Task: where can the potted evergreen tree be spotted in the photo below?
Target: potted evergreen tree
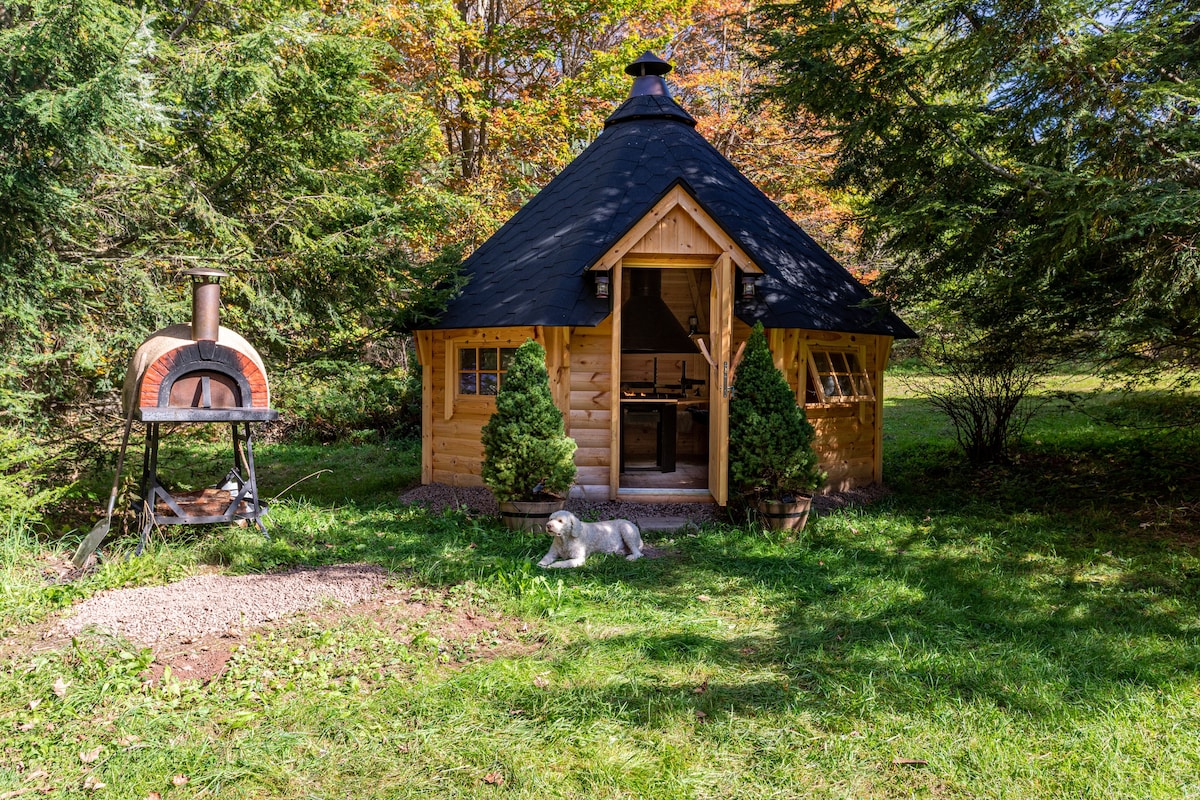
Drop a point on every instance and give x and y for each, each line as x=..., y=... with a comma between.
x=771, y=459
x=528, y=460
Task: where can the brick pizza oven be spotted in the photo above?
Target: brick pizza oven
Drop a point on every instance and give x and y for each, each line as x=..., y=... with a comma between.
x=193, y=373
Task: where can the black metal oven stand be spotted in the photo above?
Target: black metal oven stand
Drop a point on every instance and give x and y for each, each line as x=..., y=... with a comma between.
x=240, y=482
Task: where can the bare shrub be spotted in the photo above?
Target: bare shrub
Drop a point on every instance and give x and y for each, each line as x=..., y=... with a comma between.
x=986, y=390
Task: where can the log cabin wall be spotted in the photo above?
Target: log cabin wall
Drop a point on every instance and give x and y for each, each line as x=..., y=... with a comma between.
x=849, y=435
x=451, y=450
x=452, y=424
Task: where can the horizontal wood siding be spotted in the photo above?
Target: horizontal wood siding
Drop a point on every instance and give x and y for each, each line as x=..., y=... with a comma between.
x=845, y=444
x=848, y=440
x=591, y=407
x=848, y=437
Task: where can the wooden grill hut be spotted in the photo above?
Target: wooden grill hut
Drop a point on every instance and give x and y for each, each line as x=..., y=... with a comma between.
x=641, y=269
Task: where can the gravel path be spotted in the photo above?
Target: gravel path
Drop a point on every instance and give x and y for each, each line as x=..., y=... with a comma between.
x=222, y=604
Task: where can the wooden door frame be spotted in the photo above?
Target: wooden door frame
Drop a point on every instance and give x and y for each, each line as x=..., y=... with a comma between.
x=721, y=335
x=720, y=317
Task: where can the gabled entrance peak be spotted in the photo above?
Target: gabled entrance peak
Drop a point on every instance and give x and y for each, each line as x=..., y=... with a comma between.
x=675, y=228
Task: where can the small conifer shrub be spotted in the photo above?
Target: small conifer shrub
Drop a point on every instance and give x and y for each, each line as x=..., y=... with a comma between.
x=527, y=455
x=770, y=439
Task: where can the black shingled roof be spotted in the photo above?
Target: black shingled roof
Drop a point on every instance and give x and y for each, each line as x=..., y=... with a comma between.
x=533, y=271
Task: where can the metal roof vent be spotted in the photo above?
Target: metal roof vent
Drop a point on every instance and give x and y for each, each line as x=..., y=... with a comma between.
x=648, y=71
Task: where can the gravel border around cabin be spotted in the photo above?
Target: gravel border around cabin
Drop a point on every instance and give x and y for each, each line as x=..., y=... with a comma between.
x=438, y=497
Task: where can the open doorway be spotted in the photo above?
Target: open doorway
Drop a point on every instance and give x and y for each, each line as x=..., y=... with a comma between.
x=665, y=380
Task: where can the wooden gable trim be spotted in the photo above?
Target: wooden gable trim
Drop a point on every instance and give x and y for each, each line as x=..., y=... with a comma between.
x=677, y=198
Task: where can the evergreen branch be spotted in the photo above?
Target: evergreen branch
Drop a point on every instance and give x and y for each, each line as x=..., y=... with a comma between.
x=882, y=53
x=187, y=21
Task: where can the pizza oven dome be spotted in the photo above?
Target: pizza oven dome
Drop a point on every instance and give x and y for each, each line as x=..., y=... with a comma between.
x=170, y=371
x=197, y=371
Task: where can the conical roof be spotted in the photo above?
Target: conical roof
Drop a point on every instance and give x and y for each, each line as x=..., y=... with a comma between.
x=534, y=270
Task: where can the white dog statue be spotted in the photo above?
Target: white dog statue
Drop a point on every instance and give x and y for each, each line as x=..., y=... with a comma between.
x=575, y=539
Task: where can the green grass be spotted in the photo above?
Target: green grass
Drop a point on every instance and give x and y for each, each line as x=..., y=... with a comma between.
x=1030, y=631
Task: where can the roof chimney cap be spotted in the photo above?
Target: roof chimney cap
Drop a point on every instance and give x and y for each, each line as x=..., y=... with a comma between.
x=648, y=64
x=648, y=74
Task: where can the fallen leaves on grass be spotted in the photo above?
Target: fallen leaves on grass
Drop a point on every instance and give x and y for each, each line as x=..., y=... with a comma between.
x=88, y=756
x=494, y=779
x=179, y=780
x=60, y=687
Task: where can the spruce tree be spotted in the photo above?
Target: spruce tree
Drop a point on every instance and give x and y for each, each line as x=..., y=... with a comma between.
x=1030, y=166
x=526, y=453
x=770, y=439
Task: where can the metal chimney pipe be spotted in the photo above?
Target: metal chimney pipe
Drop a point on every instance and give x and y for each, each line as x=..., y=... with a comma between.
x=206, y=303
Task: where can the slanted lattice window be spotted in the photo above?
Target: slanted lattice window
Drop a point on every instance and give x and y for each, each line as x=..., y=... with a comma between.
x=481, y=369
x=837, y=376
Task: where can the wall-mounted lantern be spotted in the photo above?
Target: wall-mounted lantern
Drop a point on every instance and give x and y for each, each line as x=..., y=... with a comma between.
x=749, y=286
x=602, y=285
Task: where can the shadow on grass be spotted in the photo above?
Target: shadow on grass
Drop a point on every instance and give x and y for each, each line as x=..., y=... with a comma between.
x=1028, y=588
x=1120, y=455
x=879, y=606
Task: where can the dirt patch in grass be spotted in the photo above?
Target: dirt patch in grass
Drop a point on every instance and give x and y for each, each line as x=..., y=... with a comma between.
x=414, y=617
x=204, y=605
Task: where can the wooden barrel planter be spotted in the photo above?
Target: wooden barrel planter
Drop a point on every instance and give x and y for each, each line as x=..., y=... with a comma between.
x=781, y=516
x=529, y=515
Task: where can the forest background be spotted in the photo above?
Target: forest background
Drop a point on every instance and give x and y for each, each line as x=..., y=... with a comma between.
x=1023, y=172
x=337, y=159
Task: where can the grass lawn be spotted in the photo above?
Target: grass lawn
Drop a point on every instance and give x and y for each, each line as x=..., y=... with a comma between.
x=1029, y=631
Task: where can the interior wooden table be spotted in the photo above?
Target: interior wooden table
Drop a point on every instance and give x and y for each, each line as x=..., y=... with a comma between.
x=665, y=408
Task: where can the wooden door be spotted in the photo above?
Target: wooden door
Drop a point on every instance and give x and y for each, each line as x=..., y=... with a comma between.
x=721, y=327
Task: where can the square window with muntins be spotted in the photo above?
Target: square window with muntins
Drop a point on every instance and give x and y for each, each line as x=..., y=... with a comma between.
x=481, y=369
